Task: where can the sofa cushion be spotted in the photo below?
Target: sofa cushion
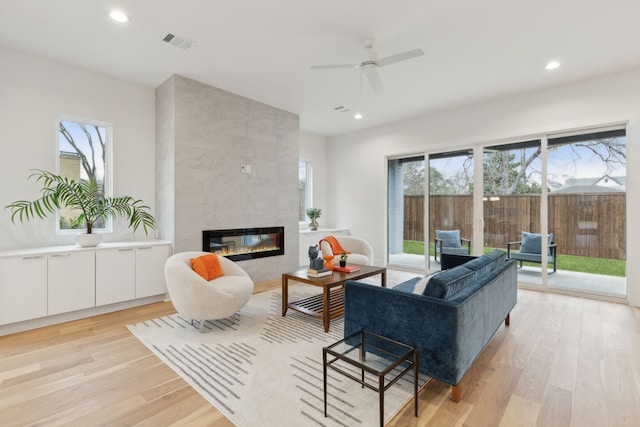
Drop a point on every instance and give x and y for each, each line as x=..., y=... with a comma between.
x=415, y=285
x=408, y=285
x=449, y=282
x=532, y=242
x=487, y=262
x=497, y=257
x=450, y=238
x=530, y=257
x=482, y=265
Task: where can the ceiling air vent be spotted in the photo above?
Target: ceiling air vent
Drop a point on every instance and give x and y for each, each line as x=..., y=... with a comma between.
x=178, y=41
x=341, y=108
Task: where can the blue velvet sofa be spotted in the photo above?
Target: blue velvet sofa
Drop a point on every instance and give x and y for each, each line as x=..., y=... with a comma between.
x=450, y=321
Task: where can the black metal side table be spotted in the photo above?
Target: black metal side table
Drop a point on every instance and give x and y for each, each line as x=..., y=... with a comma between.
x=376, y=355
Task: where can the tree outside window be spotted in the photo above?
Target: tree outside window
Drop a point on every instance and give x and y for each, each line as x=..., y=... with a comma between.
x=83, y=154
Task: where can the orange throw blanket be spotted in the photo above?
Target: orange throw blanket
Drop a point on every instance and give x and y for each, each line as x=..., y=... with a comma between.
x=335, y=245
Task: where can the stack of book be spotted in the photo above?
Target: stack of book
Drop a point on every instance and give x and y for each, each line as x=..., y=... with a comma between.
x=346, y=269
x=312, y=272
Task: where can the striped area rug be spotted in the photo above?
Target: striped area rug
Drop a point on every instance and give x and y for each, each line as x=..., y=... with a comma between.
x=262, y=369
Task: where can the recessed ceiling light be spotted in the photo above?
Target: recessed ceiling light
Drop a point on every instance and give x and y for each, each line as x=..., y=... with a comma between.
x=358, y=116
x=119, y=16
x=552, y=65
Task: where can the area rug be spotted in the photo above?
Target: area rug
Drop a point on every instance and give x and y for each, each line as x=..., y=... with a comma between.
x=262, y=369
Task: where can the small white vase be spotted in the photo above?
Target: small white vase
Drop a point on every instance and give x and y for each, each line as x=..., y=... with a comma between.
x=87, y=240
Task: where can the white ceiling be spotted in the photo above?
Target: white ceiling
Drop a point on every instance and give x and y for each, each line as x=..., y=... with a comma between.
x=474, y=50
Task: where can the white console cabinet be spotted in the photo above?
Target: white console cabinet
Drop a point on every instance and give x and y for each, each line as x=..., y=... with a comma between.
x=71, y=282
x=45, y=286
x=115, y=275
x=23, y=288
x=150, y=278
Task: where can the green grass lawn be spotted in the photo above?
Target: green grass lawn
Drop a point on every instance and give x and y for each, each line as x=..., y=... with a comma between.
x=609, y=267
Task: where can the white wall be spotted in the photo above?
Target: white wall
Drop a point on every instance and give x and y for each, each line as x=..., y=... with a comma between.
x=33, y=91
x=314, y=148
x=361, y=202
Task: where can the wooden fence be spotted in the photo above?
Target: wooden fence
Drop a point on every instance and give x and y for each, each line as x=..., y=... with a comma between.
x=591, y=224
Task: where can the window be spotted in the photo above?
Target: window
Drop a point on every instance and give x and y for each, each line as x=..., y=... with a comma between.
x=304, y=189
x=84, y=149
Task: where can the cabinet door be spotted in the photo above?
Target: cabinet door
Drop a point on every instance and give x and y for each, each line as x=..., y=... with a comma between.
x=23, y=288
x=150, y=270
x=72, y=282
x=115, y=275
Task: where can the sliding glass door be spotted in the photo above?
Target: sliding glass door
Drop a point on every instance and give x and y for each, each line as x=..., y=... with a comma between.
x=587, y=211
x=405, y=217
x=450, y=203
x=512, y=190
x=556, y=204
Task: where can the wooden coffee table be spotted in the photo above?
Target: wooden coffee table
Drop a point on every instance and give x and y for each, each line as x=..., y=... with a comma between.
x=329, y=304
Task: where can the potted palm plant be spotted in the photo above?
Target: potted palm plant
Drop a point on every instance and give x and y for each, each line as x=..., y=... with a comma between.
x=87, y=198
x=313, y=214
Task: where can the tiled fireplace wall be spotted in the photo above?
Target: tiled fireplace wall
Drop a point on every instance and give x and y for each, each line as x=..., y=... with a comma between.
x=203, y=136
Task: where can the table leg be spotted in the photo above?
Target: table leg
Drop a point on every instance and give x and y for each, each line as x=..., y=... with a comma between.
x=324, y=376
x=285, y=294
x=415, y=380
x=381, y=394
x=325, y=308
x=363, y=354
x=383, y=279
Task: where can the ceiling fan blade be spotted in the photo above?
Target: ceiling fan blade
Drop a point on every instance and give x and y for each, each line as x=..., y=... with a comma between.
x=374, y=80
x=399, y=57
x=333, y=67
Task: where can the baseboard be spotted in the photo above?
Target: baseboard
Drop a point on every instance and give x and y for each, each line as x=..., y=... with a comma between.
x=26, y=325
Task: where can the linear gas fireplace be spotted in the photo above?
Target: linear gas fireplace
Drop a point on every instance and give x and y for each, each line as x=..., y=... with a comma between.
x=244, y=243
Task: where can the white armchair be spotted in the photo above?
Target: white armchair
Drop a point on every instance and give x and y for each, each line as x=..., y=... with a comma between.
x=361, y=251
x=198, y=299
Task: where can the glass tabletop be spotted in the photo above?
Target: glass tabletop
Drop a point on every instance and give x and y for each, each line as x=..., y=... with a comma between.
x=370, y=351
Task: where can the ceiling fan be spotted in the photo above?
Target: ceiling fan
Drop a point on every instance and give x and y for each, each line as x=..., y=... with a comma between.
x=370, y=64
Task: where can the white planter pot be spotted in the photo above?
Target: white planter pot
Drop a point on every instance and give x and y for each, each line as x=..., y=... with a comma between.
x=88, y=240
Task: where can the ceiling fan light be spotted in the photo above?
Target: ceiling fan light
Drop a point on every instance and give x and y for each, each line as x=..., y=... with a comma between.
x=552, y=65
x=119, y=16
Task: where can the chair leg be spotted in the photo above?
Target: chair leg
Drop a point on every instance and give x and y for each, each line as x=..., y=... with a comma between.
x=507, y=319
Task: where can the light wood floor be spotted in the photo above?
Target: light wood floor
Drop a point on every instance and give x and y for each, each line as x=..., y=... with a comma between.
x=564, y=361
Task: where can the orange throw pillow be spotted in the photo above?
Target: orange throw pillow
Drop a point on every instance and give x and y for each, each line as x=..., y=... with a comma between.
x=208, y=266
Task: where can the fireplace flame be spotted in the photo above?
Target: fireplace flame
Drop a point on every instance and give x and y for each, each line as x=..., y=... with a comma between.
x=245, y=250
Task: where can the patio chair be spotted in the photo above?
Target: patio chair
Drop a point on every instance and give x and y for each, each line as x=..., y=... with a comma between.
x=450, y=242
x=530, y=249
